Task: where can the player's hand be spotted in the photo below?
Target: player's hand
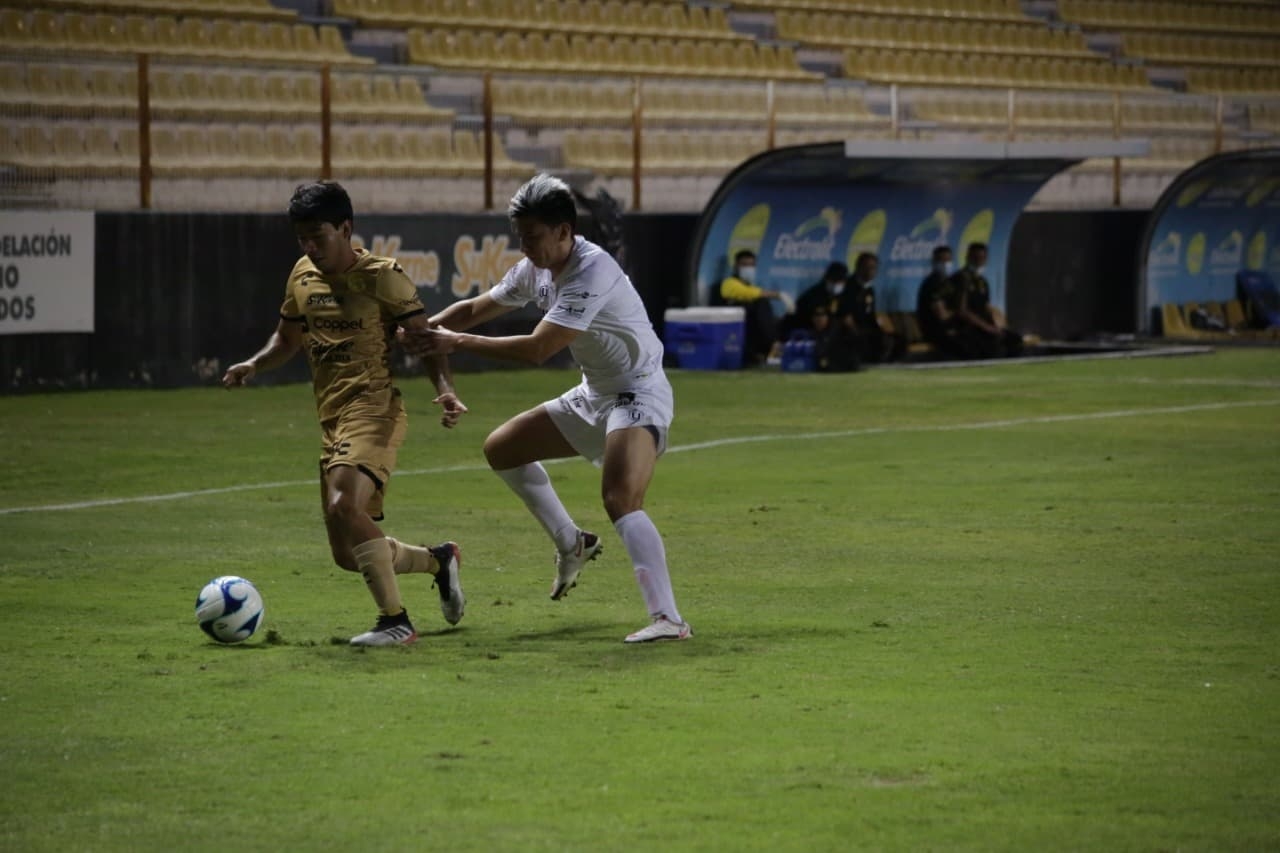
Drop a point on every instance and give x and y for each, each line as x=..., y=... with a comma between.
x=437, y=341
x=418, y=341
x=238, y=375
x=453, y=409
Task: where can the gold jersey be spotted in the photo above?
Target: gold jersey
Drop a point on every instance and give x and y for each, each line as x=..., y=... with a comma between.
x=348, y=321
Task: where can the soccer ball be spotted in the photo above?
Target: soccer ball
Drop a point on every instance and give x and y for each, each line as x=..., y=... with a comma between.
x=229, y=609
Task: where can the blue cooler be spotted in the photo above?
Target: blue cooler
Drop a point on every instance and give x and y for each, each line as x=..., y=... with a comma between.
x=706, y=338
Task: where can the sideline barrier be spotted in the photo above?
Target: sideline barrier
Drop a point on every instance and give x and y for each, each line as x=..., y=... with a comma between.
x=803, y=207
x=1217, y=219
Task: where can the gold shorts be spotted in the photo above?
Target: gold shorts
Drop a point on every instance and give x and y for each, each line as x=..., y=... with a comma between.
x=367, y=434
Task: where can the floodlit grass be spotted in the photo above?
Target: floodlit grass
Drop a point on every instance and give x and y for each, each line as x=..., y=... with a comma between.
x=999, y=608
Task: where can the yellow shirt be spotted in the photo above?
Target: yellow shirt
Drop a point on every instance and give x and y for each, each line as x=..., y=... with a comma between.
x=734, y=289
x=348, y=321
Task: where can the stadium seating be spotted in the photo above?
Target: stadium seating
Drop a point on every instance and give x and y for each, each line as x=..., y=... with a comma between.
x=235, y=91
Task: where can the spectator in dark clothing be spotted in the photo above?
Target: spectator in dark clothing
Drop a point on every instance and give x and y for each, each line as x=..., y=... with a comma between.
x=874, y=344
x=830, y=293
x=973, y=308
x=937, y=302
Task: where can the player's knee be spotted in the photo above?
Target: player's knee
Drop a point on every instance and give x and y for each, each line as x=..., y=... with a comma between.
x=344, y=559
x=496, y=451
x=621, y=501
x=340, y=510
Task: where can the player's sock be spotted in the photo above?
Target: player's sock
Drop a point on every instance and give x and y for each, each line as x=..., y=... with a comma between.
x=410, y=559
x=649, y=558
x=534, y=487
x=373, y=558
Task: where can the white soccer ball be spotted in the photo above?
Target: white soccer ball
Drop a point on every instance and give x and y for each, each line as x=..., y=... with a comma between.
x=229, y=609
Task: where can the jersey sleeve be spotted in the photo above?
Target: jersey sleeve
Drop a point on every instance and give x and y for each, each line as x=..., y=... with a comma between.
x=290, y=309
x=580, y=298
x=516, y=287
x=397, y=294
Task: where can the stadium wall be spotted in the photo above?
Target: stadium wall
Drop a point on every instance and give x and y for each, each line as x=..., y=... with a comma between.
x=177, y=297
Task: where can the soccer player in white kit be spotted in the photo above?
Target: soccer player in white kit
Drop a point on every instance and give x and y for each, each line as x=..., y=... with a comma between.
x=617, y=417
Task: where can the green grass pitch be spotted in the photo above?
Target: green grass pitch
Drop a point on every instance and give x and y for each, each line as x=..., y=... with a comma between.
x=1007, y=607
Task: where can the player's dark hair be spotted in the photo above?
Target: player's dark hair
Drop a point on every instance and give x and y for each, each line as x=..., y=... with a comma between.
x=742, y=255
x=938, y=250
x=547, y=199
x=865, y=256
x=976, y=247
x=322, y=201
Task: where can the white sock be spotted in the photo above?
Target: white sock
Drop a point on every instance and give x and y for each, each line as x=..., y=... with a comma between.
x=649, y=558
x=534, y=487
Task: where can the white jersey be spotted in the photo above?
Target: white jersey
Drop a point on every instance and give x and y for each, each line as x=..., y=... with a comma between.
x=618, y=349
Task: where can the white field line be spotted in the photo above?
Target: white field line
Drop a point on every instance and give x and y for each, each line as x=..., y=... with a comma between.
x=684, y=448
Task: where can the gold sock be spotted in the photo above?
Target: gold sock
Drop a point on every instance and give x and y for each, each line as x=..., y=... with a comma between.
x=373, y=558
x=408, y=559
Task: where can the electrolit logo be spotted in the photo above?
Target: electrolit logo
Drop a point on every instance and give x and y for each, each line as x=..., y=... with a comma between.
x=1168, y=251
x=1189, y=195
x=1195, y=253
x=1257, y=257
x=1228, y=253
x=926, y=235
x=867, y=236
x=1263, y=190
x=812, y=240
x=748, y=234
x=978, y=230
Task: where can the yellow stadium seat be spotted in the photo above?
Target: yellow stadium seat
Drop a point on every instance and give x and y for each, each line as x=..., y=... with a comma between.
x=15, y=30
x=100, y=149
x=68, y=148
x=432, y=151
x=1172, y=322
x=468, y=154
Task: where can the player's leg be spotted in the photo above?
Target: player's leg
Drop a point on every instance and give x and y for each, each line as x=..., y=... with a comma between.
x=629, y=459
x=365, y=443
x=357, y=541
x=513, y=451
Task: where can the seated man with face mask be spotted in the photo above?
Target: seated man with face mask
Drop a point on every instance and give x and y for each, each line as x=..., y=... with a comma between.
x=832, y=293
x=740, y=288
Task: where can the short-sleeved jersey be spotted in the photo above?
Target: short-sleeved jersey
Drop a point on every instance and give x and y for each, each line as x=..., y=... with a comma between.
x=348, y=321
x=618, y=349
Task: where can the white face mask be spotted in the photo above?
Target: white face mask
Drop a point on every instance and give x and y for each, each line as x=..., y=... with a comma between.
x=747, y=274
x=837, y=289
x=980, y=270
x=943, y=267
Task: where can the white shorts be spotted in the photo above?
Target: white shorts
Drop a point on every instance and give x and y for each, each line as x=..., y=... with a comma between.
x=584, y=418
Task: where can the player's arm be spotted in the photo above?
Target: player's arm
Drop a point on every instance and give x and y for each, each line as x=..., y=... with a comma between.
x=544, y=341
x=469, y=313
x=283, y=345
x=440, y=375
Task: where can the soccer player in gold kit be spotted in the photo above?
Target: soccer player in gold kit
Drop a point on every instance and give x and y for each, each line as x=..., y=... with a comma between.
x=343, y=305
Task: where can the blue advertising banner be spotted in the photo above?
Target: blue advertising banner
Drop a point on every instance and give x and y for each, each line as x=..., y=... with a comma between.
x=1218, y=219
x=797, y=231
x=800, y=209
